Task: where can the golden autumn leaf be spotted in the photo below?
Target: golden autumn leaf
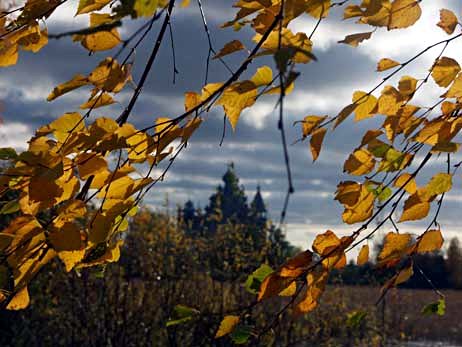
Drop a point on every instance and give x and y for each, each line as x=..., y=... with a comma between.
x=415, y=208
x=445, y=71
x=191, y=100
x=363, y=256
x=386, y=63
x=90, y=164
x=71, y=258
x=229, y=48
x=272, y=285
x=310, y=123
x=344, y=113
x=355, y=39
x=455, y=90
x=76, y=82
x=317, y=8
x=439, y=184
x=290, y=290
x=402, y=276
x=404, y=13
x=263, y=76
x=20, y=301
x=390, y=101
x=316, y=142
x=316, y=284
x=407, y=86
x=99, y=100
x=448, y=21
x=236, y=98
x=394, y=247
x=360, y=162
x=348, y=193
x=101, y=40
x=86, y=6
x=296, y=265
x=227, y=325
x=366, y=105
x=406, y=181
x=363, y=208
x=430, y=241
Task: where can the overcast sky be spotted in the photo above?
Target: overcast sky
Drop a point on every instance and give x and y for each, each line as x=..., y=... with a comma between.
x=323, y=88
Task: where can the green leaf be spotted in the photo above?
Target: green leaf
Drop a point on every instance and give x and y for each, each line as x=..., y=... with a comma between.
x=241, y=334
x=383, y=194
x=438, y=307
x=355, y=318
x=8, y=153
x=10, y=207
x=254, y=281
x=181, y=314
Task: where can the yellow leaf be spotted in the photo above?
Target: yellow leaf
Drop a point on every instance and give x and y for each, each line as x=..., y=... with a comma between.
x=33, y=39
x=190, y=128
x=71, y=258
x=355, y=39
x=348, y=193
x=141, y=145
x=366, y=105
x=290, y=290
x=20, y=300
x=352, y=11
x=430, y=241
x=90, y=164
x=66, y=238
x=227, y=325
x=230, y=47
x=237, y=97
x=310, y=123
x=455, y=91
x=404, y=13
x=363, y=256
x=344, y=113
x=415, y=208
x=185, y=3
x=263, y=76
x=119, y=188
x=86, y=6
x=65, y=125
x=296, y=265
x=439, y=184
x=316, y=284
x=76, y=82
x=394, y=247
x=448, y=21
x=407, y=181
x=360, y=162
x=110, y=76
x=272, y=285
x=363, y=208
x=317, y=8
x=445, y=71
x=191, y=100
x=101, y=40
x=385, y=64
x=407, y=86
x=99, y=100
x=8, y=53
x=316, y=142
x=390, y=101
x=324, y=243
x=402, y=276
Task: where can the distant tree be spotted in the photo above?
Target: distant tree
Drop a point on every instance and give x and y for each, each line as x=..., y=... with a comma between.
x=454, y=263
